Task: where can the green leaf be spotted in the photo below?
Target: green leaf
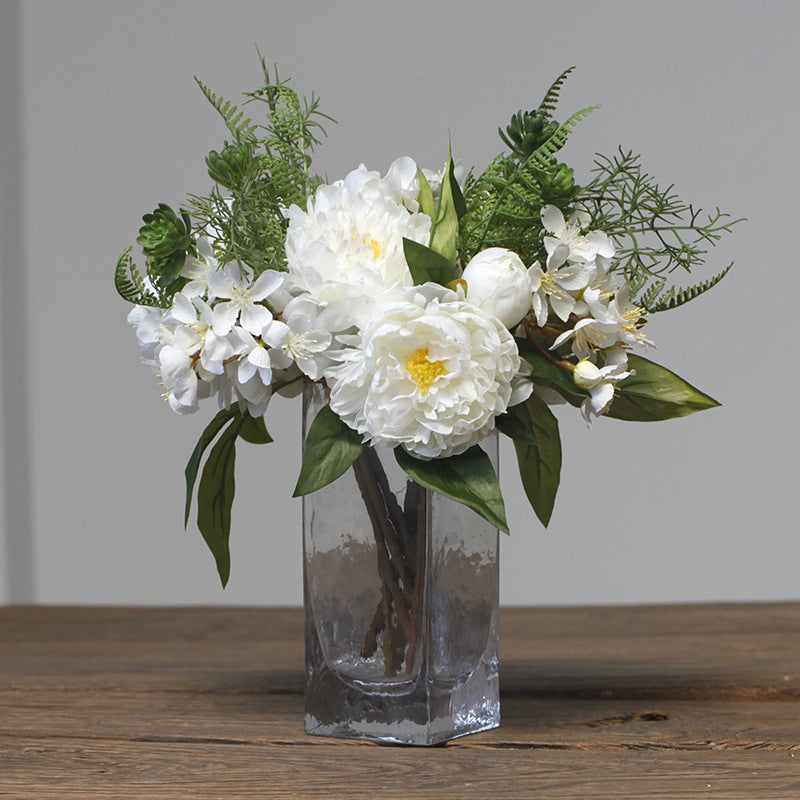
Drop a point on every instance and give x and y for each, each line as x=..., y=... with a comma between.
x=538, y=454
x=512, y=426
x=458, y=198
x=215, y=498
x=254, y=430
x=550, y=374
x=425, y=197
x=654, y=393
x=427, y=265
x=212, y=429
x=468, y=478
x=331, y=448
x=445, y=221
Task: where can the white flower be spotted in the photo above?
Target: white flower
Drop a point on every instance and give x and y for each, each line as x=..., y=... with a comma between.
x=147, y=321
x=198, y=270
x=307, y=341
x=401, y=182
x=628, y=316
x=430, y=372
x=564, y=281
x=541, y=309
x=589, y=335
x=498, y=283
x=260, y=355
x=600, y=382
x=197, y=335
x=346, y=248
x=244, y=299
x=582, y=247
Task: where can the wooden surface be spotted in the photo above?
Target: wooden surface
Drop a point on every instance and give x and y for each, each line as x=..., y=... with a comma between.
x=664, y=702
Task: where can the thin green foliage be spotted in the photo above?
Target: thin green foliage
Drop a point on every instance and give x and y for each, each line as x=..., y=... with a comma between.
x=655, y=232
x=504, y=203
x=263, y=171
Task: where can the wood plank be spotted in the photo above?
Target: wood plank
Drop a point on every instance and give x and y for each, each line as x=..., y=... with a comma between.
x=259, y=718
x=676, y=701
x=78, y=770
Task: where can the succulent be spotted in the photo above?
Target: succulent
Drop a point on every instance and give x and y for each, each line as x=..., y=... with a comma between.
x=527, y=131
x=165, y=239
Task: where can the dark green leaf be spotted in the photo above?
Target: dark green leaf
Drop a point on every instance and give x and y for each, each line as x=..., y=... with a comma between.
x=330, y=450
x=425, y=198
x=212, y=429
x=512, y=426
x=445, y=221
x=215, y=498
x=538, y=454
x=254, y=430
x=468, y=478
x=654, y=393
x=550, y=374
x=169, y=269
x=458, y=197
x=426, y=265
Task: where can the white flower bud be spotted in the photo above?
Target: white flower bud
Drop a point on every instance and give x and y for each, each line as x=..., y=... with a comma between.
x=498, y=283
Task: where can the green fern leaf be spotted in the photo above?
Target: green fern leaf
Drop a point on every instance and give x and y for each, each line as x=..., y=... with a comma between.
x=543, y=156
x=131, y=286
x=674, y=298
x=241, y=127
x=548, y=105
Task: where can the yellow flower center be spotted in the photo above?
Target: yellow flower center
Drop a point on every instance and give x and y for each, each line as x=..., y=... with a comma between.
x=376, y=247
x=423, y=371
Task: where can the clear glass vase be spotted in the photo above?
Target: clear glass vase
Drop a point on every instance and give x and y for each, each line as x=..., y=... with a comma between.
x=401, y=604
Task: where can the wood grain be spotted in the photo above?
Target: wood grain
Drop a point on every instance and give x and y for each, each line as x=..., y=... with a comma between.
x=676, y=701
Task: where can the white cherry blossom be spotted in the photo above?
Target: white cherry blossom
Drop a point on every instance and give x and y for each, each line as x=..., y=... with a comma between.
x=243, y=298
x=600, y=382
x=582, y=246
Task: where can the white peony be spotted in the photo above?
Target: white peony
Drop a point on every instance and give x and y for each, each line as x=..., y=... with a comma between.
x=429, y=372
x=498, y=283
x=346, y=248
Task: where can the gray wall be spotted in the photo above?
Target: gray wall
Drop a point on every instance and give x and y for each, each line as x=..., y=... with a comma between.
x=111, y=123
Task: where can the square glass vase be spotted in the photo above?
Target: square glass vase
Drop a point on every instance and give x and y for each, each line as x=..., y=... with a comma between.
x=401, y=598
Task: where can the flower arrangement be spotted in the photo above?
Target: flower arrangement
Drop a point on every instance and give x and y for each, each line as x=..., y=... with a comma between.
x=435, y=307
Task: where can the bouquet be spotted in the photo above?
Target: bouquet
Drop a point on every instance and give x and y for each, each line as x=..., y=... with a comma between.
x=434, y=306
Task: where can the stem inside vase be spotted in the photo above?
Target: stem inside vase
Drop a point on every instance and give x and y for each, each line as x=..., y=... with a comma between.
x=400, y=539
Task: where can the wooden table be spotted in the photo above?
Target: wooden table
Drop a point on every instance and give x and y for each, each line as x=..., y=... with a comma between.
x=672, y=701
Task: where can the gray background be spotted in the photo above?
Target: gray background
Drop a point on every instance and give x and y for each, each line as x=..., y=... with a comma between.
x=101, y=120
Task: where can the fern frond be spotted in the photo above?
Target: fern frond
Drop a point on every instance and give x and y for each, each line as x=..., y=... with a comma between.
x=132, y=287
x=674, y=298
x=241, y=127
x=543, y=156
x=509, y=215
x=648, y=298
x=548, y=105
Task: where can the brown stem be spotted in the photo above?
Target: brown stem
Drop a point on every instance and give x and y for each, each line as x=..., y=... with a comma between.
x=382, y=529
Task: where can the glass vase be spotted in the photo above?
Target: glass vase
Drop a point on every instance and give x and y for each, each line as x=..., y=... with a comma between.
x=401, y=606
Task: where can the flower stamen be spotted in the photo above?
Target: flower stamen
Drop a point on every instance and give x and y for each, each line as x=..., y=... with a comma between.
x=423, y=371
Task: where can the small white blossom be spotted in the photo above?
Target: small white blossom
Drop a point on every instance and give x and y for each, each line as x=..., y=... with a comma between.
x=541, y=309
x=199, y=269
x=582, y=246
x=564, y=281
x=600, y=382
x=243, y=298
